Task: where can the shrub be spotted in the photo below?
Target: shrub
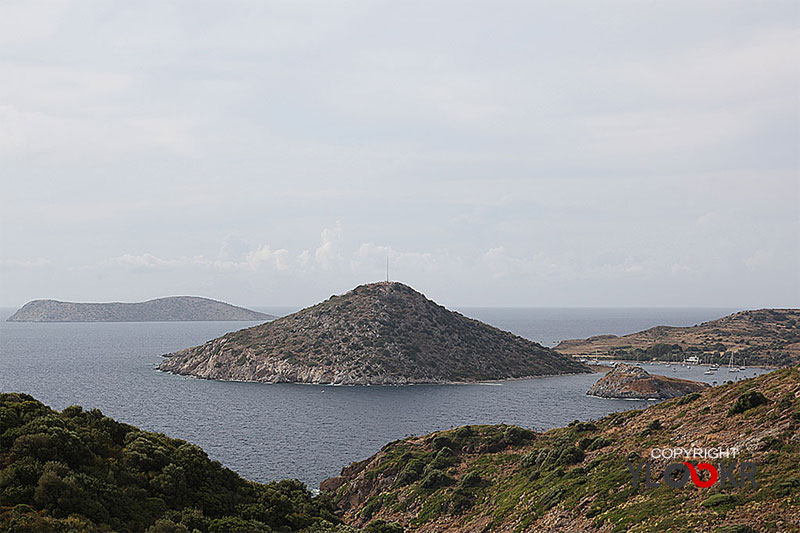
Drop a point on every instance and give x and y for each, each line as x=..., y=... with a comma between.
x=410, y=473
x=655, y=425
x=461, y=500
x=471, y=479
x=747, y=401
x=517, y=435
x=440, y=441
x=692, y=396
x=719, y=500
x=435, y=479
x=381, y=526
x=463, y=433
x=582, y=426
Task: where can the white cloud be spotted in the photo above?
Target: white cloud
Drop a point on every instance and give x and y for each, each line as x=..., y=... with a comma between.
x=24, y=263
x=327, y=255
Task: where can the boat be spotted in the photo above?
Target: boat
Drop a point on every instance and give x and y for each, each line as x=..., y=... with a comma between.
x=732, y=368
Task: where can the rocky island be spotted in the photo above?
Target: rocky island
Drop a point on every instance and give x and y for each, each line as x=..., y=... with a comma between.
x=764, y=336
x=376, y=334
x=172, y=308
x=635, y=383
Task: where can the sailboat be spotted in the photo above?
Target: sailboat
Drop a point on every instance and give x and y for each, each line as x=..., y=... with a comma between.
x=731, y=368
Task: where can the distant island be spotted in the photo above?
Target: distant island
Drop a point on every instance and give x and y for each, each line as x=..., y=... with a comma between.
x=635, y=383
x=376, y=334
x=759, y=337
x=172, y=308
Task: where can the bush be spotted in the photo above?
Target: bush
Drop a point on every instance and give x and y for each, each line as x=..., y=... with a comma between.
x=440, y=441
x=381, y=526
x=719, y=500
x=471, y=479
x=579, y=427
x=692, y=396
x=410, y=473
x=435, y=479
x=747, y=401
x=655, y=425
x=461, y=500
x=516, y=435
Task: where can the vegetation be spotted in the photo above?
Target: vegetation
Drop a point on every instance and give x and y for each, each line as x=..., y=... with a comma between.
x=748, y=401
x=82, y=471
x=577, y=475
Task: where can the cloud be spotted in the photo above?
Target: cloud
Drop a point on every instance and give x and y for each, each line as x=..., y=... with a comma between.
x=24, y=263
x=327, y=255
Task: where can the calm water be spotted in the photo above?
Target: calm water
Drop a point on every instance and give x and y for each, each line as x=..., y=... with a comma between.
x=268, y=432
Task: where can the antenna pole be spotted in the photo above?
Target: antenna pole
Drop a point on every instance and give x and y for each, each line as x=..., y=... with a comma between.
x=387, y=269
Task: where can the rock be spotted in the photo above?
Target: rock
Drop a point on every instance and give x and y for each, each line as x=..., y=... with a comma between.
x=633, y=382
x=173, y=308
x=376, y=334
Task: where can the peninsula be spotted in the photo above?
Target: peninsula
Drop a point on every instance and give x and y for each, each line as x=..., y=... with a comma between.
x=376, y=334
x=764, y=337
x=491, y=478
x=172, y=308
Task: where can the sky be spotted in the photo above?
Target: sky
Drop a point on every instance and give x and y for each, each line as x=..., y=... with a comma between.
x=503, y=153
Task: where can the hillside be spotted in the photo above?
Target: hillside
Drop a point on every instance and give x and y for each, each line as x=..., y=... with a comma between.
x=381, y=333
x=80, y=471
x=172, y=308
x=765, y=336
x=504, y=478
x=635, y=383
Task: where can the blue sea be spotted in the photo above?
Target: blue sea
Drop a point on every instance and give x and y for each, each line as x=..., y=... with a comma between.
x=272, y=431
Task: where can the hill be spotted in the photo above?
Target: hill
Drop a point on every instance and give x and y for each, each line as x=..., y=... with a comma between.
x=80, y=471
x=765, y=336
x=172, y=308
x=635, y=383
x=380, y=333
x=577, y=478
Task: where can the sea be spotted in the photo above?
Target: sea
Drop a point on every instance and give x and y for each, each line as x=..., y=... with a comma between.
x=268, y=432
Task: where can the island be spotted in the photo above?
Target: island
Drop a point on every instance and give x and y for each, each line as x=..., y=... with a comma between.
x=376, y=334
x=769, y=337
x=635, y=383
x=172, y=308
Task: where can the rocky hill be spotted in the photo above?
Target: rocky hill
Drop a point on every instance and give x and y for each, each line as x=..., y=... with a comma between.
x=173, y=308
x=577, y=478
x=380, y=333
x=635, y=383
x=80, y=471
x=765, y=336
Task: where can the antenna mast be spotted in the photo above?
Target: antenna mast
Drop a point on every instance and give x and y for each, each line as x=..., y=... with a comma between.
x=387, y=269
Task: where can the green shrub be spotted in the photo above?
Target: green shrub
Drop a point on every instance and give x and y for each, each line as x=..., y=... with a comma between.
x=654, y=425
x=747, y=401
x=579, y=427
x=719, y=500
x=471, y=479
x=689, y=398
x=381, y=526
x=435, y=479
x=410, y=473
x=516, y=435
